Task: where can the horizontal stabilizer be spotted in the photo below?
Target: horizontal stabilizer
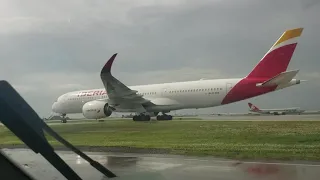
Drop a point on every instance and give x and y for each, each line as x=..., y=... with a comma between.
x=282, y=78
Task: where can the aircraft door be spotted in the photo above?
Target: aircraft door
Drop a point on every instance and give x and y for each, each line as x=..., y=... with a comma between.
x=164, y=92
x=229, y=86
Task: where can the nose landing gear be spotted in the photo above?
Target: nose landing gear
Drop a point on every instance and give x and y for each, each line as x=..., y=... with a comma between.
x=64, y=119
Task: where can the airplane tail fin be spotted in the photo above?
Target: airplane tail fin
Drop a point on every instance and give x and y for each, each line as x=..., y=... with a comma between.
x=253, y=107
x=277, y=59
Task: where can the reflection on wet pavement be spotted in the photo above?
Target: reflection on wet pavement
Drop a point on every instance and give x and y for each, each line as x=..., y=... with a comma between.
x=164, y=167
x=116, y=161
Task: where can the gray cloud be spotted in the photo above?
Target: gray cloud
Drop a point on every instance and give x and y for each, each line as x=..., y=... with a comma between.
x=49, y=48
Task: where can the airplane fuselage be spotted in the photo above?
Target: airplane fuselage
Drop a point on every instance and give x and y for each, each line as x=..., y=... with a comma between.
x=279, y=111
x=167, y=96
x=173, y=96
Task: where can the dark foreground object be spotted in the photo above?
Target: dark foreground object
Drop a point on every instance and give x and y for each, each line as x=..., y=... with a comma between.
x=11, y=170
x=23, y=121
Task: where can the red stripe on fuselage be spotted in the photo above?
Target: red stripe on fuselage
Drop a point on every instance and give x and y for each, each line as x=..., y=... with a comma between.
x=246, y=88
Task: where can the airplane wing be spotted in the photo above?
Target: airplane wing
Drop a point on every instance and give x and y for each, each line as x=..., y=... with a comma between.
x=118, y=93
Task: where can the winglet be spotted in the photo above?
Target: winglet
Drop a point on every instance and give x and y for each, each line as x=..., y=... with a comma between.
x=107, y=67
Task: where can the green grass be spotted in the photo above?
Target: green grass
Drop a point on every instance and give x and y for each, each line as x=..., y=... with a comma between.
x=233, y=139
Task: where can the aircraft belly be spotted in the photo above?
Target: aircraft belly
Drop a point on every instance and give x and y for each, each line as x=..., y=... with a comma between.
x=66, y=107
x=202, y=100
x=75, y=107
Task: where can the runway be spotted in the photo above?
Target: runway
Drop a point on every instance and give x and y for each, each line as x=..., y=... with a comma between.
x=304, y=117
x=164, y=167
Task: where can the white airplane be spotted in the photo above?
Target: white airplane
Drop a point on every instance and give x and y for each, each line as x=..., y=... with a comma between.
x=269, y=75
x=282, y=111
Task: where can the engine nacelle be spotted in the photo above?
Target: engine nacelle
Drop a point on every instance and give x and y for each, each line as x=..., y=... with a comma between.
x=96, y=110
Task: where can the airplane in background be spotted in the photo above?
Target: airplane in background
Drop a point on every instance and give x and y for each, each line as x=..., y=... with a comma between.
x=283, y=111
x=270, y=74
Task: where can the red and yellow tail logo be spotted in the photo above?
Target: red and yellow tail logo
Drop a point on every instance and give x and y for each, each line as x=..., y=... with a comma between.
x=253, y=107
x=277, y=59
x=288, y=37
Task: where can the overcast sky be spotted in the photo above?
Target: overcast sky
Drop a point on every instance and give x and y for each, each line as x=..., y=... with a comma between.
x=51, y=47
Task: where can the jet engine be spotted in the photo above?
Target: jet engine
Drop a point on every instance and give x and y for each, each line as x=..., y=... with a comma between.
x=96, y=110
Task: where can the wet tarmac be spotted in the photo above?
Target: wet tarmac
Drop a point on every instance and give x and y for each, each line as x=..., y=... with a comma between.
x=164, y=167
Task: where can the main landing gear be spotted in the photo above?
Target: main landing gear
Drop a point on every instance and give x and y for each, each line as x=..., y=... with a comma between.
x=164, y=117
x=141, y=117
x=144, y=117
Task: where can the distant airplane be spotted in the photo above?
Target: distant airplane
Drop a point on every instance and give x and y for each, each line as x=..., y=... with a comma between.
x=269, y=75
x=283, y=111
